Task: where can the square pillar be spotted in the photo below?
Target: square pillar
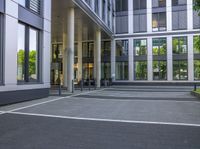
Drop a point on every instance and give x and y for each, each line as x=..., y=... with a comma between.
x=169, y=14
x=130, y=16
x=113, y=59
x=190, y=58
x=149, y=16
x=130, y=59
x=149, y=59
x=169, y=59
x=190, y=14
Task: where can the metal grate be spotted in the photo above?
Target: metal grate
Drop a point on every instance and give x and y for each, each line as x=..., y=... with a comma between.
x=35, y=6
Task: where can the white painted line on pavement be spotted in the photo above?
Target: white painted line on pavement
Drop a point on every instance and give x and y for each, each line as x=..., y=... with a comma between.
x=40, y=103
x=107, y=120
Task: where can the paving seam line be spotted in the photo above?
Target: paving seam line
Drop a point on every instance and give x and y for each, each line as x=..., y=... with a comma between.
x=107, y=120
x=49, y=101
x=138, y=100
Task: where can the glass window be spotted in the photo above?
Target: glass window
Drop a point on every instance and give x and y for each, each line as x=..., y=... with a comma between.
x=105, y=70
x=140, y=70
x=106, y=49
x=179, y=2
x=179, y=20
x=121, y=70
x=121, y=5
x=159, y=21
x=122, y=48
x=159, y=46
x=179, y=45
x=103, y=9
x=34, y=5
x=88, y=71
x=140, y=47
x=160, y=70
x=196, y=69
x=197, y=44
x=21, y=53
x=27, y=54
x=1, y=49
x=158, y=3
x=180, y=70
x=88, y=50
x=139, y=4
x=33, y=55
x=96, y=6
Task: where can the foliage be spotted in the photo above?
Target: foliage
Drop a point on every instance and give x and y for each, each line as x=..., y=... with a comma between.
x=197, y=6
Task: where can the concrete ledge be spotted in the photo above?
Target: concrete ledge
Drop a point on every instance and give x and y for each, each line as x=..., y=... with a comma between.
x=11, y=97
x=155, y=83
x=195, y=94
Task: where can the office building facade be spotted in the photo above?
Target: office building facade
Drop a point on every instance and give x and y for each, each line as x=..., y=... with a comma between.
x=47, y=43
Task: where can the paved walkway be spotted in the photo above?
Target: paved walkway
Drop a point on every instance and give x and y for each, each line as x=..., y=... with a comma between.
x=128, y=117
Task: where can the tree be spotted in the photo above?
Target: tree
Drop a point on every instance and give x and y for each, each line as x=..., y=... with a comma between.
x=197, y=6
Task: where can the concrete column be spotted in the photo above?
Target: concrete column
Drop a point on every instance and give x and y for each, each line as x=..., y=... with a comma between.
x=65, y=59
x=130, y=16
x=113, y=59
x=169, y=14
x=70, y=48
x=190, y=58
x=149, y=16
x=149, y=59
x=80, y=51
x=169, y=59
x=98, y=57
x=130, y=59
x=190, y=14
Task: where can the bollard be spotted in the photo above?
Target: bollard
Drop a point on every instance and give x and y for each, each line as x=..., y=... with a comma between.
x=81, y=85
x=60, y=90
x=195, y=87
x=95, y=85
x=72, y=86
x=89, y=84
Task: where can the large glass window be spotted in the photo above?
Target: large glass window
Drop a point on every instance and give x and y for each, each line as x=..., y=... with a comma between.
x=196, y=69
x=88, y=50
x=121, y=71
x=141, y=70
x=179, y=45
x=160, y=70
x=180, y=69
x=159, y=46
x=139, y=4
x=96, y=7
x=140, y=22
x=122, y=48
x=159, y=21
x=140, y=47
x=197, y=44
x=1, y=49
x=28, y=54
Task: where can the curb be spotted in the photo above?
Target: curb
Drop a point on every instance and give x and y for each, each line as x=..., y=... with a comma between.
x=195, y=94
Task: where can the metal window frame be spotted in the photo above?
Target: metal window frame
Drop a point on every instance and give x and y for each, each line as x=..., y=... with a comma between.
x=26, y=59
x=1, y=49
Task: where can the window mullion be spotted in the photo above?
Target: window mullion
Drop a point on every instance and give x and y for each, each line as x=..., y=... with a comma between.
x=26, y=59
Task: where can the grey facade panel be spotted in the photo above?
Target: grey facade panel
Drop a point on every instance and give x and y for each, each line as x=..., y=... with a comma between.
x=142, y=11
x=122, y=24
x=196, y=20
x=140, y=58
x=2, y=6
x=179, y=8
x=180, y=57
x=122, y=59
x=197, y=56
x=11, y=97
x=25, y=15
x=179, y=20
x=159, y=57
x=159, y=9
x=140, y=23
